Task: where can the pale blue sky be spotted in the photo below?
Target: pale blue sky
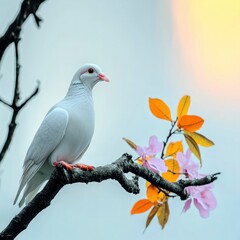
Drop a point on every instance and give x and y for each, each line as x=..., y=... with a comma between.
x=135, y=44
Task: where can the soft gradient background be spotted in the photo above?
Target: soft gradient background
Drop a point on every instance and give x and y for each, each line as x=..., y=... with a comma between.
x=162, y=49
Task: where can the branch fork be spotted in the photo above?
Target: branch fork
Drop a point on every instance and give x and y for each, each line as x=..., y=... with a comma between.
x=115, y=171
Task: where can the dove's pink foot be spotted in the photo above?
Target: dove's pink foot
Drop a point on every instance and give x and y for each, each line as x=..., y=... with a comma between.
x=64, y=164
x=70, y=167
x=84, y=167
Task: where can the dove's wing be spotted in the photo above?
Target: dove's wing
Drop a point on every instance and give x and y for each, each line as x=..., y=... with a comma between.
x=47, y=138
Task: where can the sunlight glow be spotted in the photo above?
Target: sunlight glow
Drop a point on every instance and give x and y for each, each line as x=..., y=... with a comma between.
x=209, y=35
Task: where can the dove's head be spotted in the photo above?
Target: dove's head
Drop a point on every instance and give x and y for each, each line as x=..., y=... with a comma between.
x=89, y=75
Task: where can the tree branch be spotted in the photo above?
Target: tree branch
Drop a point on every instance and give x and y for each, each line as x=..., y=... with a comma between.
x=12, y=125
x=35, y=92
x=12, y=35
x=13, y=32
x=115, y=171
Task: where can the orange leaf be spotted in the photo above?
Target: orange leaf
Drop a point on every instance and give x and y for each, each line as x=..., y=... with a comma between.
x=163, y=214
x=141, y=206
x=161, y=195
x=173, y=148
x=190, y=123
x=173, y=170
x=152, y=193
x=151, y=215
x=160, y=109
x=183, y=106
x=193, y=147
x=130, y=143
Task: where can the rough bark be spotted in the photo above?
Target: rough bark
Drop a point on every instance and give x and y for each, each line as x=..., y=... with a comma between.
x=115, y=171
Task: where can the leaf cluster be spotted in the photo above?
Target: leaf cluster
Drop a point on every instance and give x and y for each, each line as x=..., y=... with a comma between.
x=187, y=126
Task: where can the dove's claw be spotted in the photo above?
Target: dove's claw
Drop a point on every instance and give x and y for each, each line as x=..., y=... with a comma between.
x=64, y=164
x=70, y=167
x=84, y=167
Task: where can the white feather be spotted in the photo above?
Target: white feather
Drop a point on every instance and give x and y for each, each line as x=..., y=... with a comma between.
x=64, y=134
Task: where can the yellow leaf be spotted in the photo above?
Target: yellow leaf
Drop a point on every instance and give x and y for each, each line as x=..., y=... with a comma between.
x=140, y=161
x=183, y=106
x=173, y=170
x=190, y=123
x=141, y=206
x=160, y=109
x=193, y=147
x=163, y=214
x=162, y=197
x=200, y=139
x=151, y=215
x=130, y=143
x=147, y=184
x=152, y=193
x=173, y=148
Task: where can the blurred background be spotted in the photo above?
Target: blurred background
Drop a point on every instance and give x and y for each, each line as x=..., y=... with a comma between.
x=162, y=49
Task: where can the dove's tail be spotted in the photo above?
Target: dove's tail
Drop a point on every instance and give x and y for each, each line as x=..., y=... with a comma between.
x=33, y=177
x=32, y=188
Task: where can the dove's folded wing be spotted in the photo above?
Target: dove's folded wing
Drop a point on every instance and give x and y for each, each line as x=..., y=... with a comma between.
x=47, y=138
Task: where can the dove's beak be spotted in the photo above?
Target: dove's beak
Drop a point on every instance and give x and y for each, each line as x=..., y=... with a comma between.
x=103, y=77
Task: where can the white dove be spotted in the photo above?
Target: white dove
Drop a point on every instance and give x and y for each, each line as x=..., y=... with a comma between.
x=64, y=134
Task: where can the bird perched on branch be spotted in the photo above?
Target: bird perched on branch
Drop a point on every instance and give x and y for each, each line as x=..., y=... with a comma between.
x=64, y=135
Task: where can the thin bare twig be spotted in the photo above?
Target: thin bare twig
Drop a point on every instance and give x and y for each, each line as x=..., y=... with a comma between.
x=14, y=105
x=12, y=35
x=12, y=125
x=31, y=96
x=5, y=102
x=168, y=136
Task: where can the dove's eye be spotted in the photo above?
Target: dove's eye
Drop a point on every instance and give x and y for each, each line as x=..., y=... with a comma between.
x=90, y=70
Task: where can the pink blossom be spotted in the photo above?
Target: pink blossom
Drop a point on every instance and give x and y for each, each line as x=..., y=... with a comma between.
x=155, y=164
x=153, y=148
x=187, y=165
x=148, y=155
x=203, y=199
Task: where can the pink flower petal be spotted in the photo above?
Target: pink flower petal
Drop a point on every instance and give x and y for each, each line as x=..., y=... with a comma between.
x=154, y=146
x=204, y=199
x=159, y=164
x=187, y=164
x=150, y=166
x=156, y=165
x=188, y=153
x=209, y=199
x=187, y=205
x=140, y=151
x=204, y=213
x=180, y=158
